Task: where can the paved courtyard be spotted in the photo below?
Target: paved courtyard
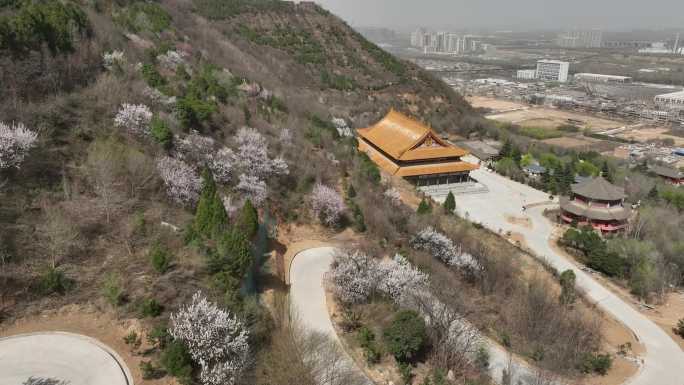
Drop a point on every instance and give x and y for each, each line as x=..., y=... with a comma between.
x=56, y=358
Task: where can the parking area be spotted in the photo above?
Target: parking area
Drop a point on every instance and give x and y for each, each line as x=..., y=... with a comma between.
x=59, y=358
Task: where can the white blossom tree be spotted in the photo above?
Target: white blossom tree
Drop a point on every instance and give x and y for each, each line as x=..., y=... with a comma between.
x=221, y=164
x=15, y=142
x=392, y=195
x=252, y=157
x=327, y=205
x=183, y=184
x=216, y=340
x=113, y=60
x=171, y=59
x=253, y=189
x=442, y=248
x=398, y=278
x=353, y=277
x=135, y=118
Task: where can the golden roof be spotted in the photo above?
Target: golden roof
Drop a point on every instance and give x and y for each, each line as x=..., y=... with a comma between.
x=404, y=138
x=389, y=166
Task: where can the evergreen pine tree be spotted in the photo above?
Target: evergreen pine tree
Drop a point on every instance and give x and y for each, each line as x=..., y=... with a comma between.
x=424, y=207
x=516, y=154
x=211, y=217
x=359, y=219
x=248, y=220
x=653, y=195
x=607, y=174
x=546, y=180
x=506, y=150
x=351, y=192
x=450, y=203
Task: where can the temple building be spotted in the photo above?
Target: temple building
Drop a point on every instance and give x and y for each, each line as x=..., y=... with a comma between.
x=669, y=174
x=404, y=147
x=597, y=203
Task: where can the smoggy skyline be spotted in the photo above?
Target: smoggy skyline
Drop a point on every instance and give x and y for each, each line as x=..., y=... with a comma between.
x=510, y=14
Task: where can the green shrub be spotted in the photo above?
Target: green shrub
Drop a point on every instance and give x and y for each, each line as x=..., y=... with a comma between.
x=365, y=336
x=406, y=372
x=406, y=335
x=150, y=308
x=132, y=339
x=54, y=280
x=149, y=371
x=567, y=282
x=191, y=111
x=223, y=9
x=151, y=76
x=368, y=169
x=482, y=358
x=176, y=360
x=359, y=221
x=37, y=23
x=160, y=257
x=596, y=363
x=337, y=82
x=112, y=291
x=161, y=133
x=159, y=336
x=679, y=330
x=144, y=16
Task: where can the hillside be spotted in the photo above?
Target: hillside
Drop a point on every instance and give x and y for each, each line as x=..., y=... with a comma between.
x=151, y=150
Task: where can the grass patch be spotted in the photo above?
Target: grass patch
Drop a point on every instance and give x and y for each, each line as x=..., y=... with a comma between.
x=540, y=133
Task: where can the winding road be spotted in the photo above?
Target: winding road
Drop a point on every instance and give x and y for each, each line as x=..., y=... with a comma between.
x=663, y=359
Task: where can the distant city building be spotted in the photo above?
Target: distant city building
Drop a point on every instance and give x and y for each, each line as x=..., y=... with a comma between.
x=673, y=100
x=444, y=42
x=553, y=70
x=633, y=44
x=581, y=39
x=600, y=78
x=526, y=74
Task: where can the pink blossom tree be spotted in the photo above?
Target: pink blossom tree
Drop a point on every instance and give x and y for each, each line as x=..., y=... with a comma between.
x=217, y=341
x=135, y=118
x=15, y=142
x=183, y=184
x=327, y=205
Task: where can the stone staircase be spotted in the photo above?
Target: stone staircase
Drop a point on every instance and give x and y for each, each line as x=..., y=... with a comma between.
x=439, y=192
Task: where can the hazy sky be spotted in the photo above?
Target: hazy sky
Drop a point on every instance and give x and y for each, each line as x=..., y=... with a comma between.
x=605, y=14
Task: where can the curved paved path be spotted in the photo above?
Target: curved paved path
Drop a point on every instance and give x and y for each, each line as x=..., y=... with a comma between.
x=70, y=358
x=307, y=296
x=663, y=359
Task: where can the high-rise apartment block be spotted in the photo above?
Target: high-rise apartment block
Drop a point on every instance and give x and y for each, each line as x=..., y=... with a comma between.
x=553, y=70
x=581, y=39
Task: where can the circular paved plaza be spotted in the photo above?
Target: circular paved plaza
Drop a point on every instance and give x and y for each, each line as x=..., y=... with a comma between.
x=57, y=358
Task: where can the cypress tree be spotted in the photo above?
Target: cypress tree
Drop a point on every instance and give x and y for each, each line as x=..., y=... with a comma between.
x=506, y=150
x=424, y=207
x=248, y=220
x=351, y=192
x=450, y=203
x=211, y=217
x=607, y=174
x=653, y=195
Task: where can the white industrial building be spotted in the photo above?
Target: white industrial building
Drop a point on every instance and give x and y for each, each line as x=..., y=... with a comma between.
x=600, y=78
x=526, y=74
x=553, y=70
x=671, y=100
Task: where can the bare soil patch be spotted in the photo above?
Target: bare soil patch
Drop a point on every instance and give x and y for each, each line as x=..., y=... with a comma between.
x=650, y=134
x=570, y=142
x=519, y=221
x=559, y=117
x=90, y=321
x=494, y=104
